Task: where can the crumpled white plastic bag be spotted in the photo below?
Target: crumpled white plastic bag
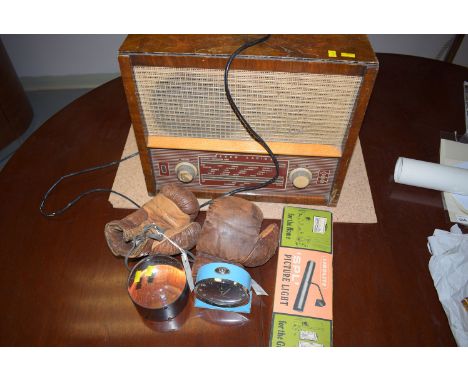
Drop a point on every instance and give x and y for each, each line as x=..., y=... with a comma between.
x=449, y=270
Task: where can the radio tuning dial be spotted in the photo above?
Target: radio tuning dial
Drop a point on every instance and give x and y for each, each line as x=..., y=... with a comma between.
x=300, y=177
x=186, y=172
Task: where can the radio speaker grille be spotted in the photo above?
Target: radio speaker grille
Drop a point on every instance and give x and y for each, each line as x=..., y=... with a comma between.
x=280, y=106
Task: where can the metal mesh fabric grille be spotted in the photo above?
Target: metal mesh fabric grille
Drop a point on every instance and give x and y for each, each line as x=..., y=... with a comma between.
x=281, y=107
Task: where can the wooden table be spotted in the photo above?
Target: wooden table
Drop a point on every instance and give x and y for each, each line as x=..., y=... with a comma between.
x=60, y=284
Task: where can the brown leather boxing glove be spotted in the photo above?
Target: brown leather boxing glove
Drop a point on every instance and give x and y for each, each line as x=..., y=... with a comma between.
x=232, y=232
x=173, y=209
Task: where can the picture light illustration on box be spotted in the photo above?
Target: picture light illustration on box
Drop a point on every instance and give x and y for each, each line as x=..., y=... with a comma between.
x=303, y=292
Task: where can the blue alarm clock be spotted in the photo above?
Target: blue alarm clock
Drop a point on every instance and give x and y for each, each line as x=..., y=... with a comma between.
x=223, y=286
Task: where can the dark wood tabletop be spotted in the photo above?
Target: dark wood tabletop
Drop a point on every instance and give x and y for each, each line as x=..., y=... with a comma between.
x=60, y=284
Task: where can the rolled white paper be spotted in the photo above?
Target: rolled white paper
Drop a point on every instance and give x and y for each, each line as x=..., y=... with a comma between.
x=431, y=175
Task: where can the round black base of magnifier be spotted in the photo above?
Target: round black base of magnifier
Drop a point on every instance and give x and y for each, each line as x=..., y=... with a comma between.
x=166, y=313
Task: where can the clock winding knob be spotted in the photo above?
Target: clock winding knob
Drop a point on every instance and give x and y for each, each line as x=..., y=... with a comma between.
x=300, y=177
x=186, y=172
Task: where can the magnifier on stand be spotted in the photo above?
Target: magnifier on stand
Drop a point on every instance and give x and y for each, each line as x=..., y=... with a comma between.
x=306, y=282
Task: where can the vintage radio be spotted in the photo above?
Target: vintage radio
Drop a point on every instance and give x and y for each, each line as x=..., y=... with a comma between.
x=305, y=95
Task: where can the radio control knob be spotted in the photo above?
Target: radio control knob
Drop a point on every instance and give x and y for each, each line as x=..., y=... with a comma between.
x=186, y=172
x=300, y=177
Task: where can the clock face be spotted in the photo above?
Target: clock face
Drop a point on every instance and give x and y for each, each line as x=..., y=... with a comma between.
x=221, y=292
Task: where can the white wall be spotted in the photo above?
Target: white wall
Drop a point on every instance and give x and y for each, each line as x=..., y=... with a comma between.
x=425, y=45
x=63, y=55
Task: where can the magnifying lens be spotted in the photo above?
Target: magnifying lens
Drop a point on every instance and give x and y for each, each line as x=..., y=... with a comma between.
x=158, y=287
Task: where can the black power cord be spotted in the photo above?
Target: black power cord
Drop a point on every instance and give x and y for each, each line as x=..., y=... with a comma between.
x=62, y=210
x=246, y=125
x=239, y=116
